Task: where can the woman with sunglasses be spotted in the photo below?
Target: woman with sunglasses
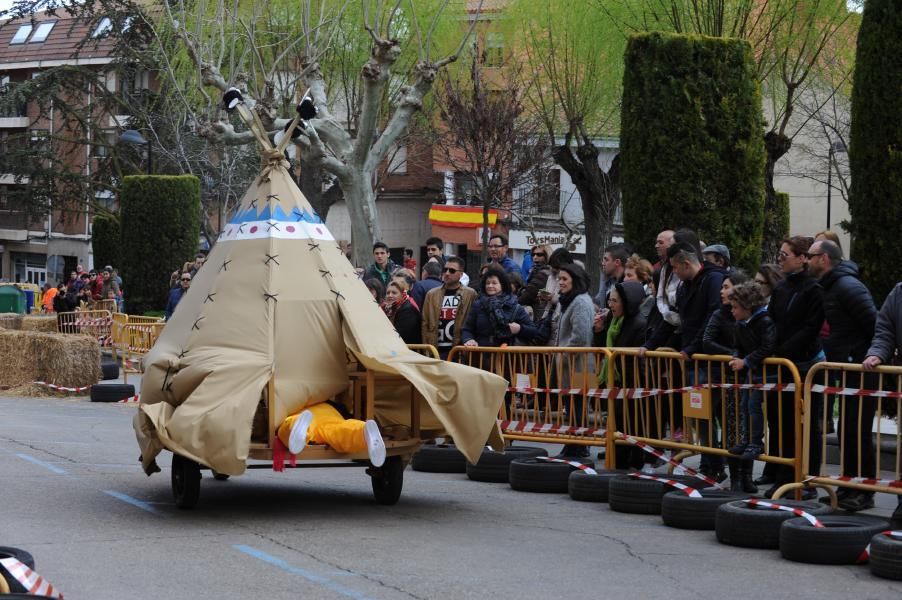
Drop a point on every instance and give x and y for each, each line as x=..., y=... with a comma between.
x=496, y=318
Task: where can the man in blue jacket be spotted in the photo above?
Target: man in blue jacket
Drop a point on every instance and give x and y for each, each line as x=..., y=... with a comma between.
x=498, y=254
x=175, y=294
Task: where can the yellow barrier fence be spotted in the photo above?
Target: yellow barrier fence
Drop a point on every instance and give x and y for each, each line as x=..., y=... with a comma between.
x=141, y=338
x=424, y=349
x=95, y=323
x=866, y=451
x=554, y=395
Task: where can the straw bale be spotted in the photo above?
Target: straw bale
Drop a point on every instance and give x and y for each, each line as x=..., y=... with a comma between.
x=10, y=321
x=66, y=360
x=45, y=323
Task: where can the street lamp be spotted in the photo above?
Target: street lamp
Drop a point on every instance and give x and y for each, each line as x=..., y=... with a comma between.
x=134, y=138
x=835, y=148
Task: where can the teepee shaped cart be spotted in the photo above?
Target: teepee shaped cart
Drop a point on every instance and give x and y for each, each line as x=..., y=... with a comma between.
x=277, y=320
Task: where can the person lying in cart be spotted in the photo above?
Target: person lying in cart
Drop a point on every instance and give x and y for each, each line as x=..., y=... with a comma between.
x=328, y=423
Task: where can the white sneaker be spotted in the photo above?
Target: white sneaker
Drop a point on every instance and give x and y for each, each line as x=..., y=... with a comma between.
x=297, y=439
x=375, y=447
x=648, y=469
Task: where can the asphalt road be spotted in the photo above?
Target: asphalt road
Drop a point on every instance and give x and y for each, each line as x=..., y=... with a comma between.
x=72, y=493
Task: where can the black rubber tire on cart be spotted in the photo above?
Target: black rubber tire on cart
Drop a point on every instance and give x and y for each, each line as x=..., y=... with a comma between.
x=642, y=496
x=110, y=369
x=388, y=480
x=886, y=557
x=591, y=488
x=840, y=541
x=741, y=524
x=439, y=458
x=22, y=556
x=542, y=476
x=684, y=512
x=220, y=476
x=185, y=481
x=111, y=392
x=494, y=467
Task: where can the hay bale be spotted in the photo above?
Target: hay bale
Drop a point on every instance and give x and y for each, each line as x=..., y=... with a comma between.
x=10, y=321
x=45, y=323
x=66, y=360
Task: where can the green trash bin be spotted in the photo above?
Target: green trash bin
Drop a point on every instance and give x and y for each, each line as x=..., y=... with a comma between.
x=12, y=300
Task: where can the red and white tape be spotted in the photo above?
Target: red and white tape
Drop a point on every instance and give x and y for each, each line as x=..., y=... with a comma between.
x=531, y=427
x=636, y=393
x=844, y=391
x=689, y=491
x=31, y=581
x=893, y=483
x=135, y=398
x=866, y=553
x=573, y=463
x=669, y=460
x=61, y=388
x=796, y=511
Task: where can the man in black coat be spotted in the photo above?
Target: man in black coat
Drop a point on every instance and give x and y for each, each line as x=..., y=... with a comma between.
x=851, y=315
x=887, y=342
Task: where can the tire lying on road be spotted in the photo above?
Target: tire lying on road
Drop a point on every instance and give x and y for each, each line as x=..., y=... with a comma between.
x=494, y=467
x=642, y=496
x=22, y=556
x=591, y=488
x=111, y=392
x=543, y=476
x=685, y=512
x=886, y=556
x=741, y=524
x=439, y=458
x=110, y=369
x=840, y=541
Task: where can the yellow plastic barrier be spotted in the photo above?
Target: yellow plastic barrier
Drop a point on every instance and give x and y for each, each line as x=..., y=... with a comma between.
x=862, y=399
x=141, y=338
x=554, y=396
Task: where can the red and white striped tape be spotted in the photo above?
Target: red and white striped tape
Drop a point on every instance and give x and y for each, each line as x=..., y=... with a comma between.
x=669, y=460
x=31, y=581
x=844, y=391
x=573, y=463
x=135, y=398
x=866, y=553
x=796, y=511
x=635, y=393
x=61, y=388
x=689, y=491
x=893, y=483
x=530, y=427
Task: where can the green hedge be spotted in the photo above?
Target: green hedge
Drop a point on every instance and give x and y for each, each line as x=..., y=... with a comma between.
x=160, y=217
x=692, y=148
x=105, y=240
x=875, y=148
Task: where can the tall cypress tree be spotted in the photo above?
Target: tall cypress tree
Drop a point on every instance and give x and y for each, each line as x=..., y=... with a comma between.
x=692, y=153
x=875, y=149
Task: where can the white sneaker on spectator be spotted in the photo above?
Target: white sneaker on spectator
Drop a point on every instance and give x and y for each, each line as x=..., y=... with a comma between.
x=375, y=446
x=297, y=439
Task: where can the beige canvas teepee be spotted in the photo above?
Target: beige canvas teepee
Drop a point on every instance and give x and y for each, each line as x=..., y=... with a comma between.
x=277, y=300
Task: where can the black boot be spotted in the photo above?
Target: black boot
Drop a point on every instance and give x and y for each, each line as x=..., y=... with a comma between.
x=736, y=474
x=747, y=485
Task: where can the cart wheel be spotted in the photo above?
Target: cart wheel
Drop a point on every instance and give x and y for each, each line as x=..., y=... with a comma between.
x=388, y=480
x=220, y=476
x=185, y=481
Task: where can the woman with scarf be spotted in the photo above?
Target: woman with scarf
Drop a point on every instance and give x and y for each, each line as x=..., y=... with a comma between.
x=496, y=318
x=402, y=311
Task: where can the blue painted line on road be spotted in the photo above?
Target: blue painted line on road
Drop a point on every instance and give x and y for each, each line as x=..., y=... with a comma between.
x=308, y=575
x=41, y=463
x=133, y=501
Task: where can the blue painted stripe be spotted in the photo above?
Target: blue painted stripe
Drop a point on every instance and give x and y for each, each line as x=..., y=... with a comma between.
x=308, y=575
x=133, y=501
x=46, y=465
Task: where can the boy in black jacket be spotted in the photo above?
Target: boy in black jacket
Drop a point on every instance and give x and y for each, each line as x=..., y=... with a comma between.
x=756, y=338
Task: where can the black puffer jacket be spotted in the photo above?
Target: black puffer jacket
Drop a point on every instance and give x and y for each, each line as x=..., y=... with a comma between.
x=632, y=332
x=720, y=334
x=697, y=300
x=850, y=312
x=888, y=332
x=755, y=339
x=797, y=308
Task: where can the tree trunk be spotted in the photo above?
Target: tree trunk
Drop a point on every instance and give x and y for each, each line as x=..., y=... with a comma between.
x=360, y=198
x=776, y=145
x=311, y=185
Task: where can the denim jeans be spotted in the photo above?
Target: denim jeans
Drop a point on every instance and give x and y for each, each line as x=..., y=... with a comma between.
x=752, y=416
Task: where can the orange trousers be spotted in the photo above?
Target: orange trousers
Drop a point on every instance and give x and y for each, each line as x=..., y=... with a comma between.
x=330, y=428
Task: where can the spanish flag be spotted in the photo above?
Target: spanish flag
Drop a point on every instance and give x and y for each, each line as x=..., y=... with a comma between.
x=450, y=215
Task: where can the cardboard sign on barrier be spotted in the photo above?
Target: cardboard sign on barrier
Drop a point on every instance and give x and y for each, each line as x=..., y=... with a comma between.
x=697, y=404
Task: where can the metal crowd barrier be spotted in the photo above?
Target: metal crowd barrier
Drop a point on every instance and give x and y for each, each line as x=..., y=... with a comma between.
x=95, y=323
x=655, y=398
x=425, y=349
x=554, y=395
x=141, y=338
x=862, y=454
